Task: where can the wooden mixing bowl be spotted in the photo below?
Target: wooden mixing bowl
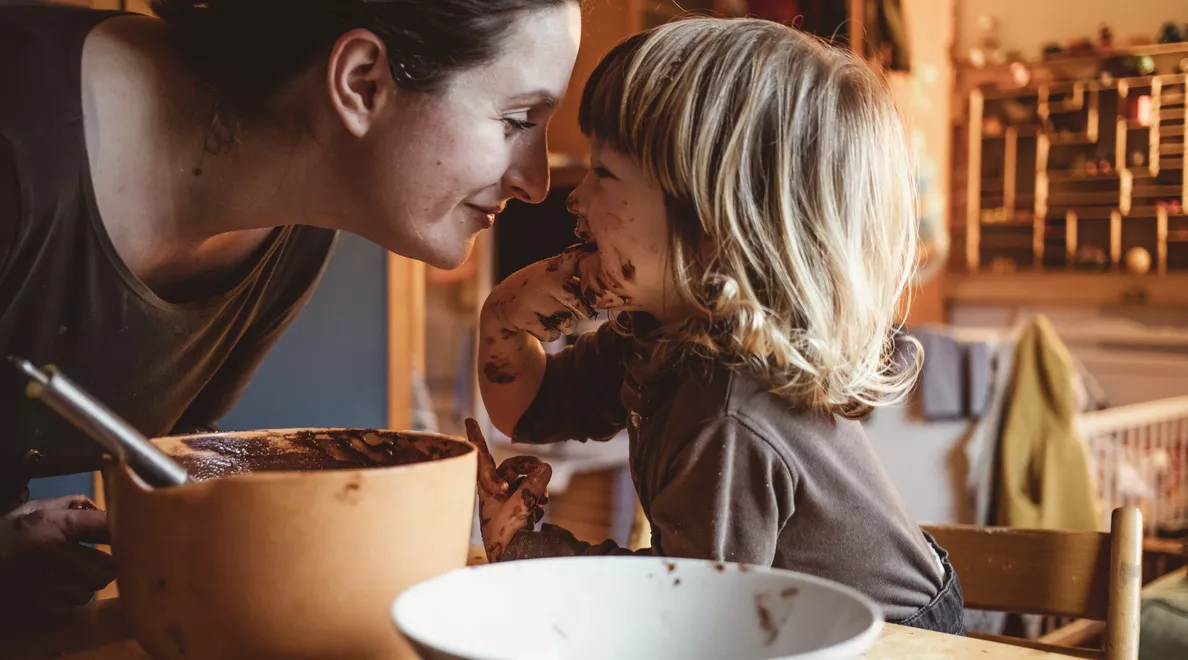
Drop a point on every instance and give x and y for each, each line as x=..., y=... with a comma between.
x=293, y=543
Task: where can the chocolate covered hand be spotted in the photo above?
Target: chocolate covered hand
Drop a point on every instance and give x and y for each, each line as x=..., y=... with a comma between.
x=511, y=497
x=544, y=299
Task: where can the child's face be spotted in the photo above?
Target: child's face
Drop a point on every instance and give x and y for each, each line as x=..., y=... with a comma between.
x=622, y=211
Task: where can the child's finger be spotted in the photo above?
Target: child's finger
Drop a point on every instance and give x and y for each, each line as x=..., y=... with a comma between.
x=589, y=268
x=488, y=478
x=576, y=299
x=535, y=484
x=545, y=333
x=569, y=324
x=573, y=305
x=606, y=297
x=558, y=321
x=516, y=468
x=566, y=262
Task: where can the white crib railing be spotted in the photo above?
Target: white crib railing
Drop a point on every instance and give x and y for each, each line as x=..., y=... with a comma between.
x=1139, y=453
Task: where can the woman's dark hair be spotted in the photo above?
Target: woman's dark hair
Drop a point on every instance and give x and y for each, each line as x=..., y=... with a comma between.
x=244, y=49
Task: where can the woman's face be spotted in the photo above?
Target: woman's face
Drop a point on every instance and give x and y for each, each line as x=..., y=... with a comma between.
x=622, y=211
x=437, y=167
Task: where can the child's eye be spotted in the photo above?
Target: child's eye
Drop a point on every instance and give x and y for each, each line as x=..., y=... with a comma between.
x=518, y=124
x=602, y=173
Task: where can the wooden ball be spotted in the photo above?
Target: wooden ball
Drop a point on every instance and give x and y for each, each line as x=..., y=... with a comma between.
x=1138, y=260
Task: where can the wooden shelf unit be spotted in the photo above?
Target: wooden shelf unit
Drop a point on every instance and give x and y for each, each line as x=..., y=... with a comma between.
x=1025, y=156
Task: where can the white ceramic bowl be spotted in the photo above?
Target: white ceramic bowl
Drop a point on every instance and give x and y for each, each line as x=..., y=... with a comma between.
x=631, y=608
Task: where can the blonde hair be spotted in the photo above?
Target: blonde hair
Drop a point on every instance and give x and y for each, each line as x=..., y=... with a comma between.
x=789, y=186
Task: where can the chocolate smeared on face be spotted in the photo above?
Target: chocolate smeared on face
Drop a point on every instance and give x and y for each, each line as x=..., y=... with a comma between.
x=214, y=456
x=628, y=271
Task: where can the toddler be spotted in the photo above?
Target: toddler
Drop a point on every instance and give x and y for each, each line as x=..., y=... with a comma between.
x=749, y=218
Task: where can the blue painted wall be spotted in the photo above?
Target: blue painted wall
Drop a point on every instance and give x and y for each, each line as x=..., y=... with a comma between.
x=331, y=367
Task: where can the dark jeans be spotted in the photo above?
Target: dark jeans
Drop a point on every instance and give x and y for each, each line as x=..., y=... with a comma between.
x=946, y=612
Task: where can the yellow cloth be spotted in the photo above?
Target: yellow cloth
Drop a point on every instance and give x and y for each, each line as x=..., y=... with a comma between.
x=1044, y=480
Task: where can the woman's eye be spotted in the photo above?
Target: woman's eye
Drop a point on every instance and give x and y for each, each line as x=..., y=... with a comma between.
x=518, y=124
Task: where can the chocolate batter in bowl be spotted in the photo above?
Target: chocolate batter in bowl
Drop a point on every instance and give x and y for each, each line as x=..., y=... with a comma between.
x=288, y=543
x=217, y=455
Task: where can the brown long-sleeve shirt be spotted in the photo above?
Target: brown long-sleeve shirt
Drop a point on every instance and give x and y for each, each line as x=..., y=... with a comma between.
x=727, y=470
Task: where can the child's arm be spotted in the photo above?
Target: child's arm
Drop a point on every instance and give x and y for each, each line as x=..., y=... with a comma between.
x=537, y=398
x=537, y=303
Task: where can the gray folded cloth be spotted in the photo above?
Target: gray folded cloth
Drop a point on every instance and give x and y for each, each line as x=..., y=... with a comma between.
x=956, y=379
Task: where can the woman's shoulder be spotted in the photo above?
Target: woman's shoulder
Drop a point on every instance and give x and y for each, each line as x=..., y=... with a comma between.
x=40, y=58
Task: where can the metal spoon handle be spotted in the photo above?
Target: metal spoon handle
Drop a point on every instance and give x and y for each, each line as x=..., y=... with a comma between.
x=110, y=430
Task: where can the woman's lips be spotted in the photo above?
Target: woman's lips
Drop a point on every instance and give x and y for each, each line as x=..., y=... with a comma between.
x=485, y=215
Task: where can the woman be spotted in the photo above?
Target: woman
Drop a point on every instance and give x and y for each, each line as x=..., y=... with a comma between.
x=170, y=191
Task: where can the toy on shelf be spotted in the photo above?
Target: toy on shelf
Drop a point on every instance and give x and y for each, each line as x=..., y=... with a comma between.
x=988, y=49
x=1003, y=266
x=992, y=126
x=1138, y=261
x=1170, y=34
x=1092, y=257
x=1080, y=48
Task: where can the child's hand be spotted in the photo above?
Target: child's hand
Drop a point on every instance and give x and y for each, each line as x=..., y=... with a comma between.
x=511, y=497
x=544, y=299
x=597, y=288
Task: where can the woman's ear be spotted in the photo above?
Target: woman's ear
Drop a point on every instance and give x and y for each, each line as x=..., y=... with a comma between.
x=359, y=80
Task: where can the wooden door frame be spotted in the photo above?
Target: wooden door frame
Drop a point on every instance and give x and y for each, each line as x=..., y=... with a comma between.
x=406, y=336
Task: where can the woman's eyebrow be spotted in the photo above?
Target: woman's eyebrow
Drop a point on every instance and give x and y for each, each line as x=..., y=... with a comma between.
x=537, y=97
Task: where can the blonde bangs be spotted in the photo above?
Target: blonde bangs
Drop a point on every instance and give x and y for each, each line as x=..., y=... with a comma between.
x=791, y=196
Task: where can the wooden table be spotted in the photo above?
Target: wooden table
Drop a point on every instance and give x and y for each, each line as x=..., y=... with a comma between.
x=99, y=632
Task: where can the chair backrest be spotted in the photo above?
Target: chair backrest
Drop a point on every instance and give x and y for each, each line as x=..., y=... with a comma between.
x=1088, y=575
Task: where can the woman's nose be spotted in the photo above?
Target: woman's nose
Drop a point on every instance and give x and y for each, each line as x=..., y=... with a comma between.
x=528, y=178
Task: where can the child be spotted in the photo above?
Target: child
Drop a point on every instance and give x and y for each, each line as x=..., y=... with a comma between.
x=749, y=214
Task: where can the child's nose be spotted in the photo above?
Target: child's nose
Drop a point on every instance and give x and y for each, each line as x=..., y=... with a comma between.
x=571, y=204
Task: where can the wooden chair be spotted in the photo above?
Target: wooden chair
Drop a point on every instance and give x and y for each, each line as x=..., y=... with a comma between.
x=1091, y=576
